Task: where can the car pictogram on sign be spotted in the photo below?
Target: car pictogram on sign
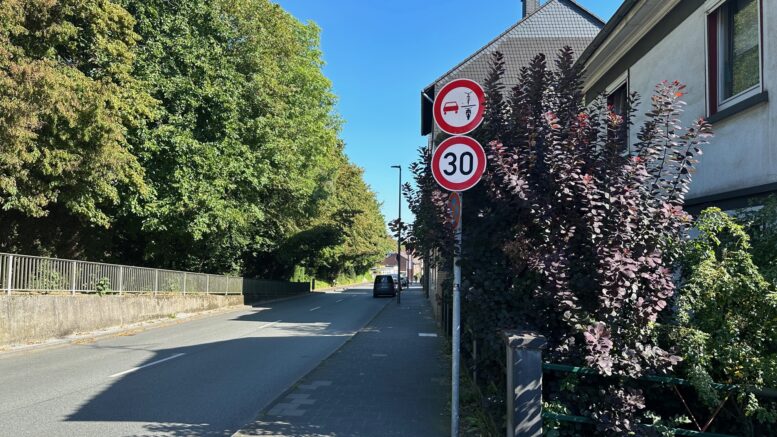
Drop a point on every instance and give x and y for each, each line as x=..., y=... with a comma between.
x=450, y=106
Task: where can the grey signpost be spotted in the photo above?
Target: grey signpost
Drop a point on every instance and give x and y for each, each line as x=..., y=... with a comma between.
x=456, y=361
x=458, y=164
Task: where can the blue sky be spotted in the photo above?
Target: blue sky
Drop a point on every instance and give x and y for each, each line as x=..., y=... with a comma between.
x=380, y=54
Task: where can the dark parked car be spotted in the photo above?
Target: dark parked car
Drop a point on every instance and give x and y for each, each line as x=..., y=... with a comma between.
x=384, y=286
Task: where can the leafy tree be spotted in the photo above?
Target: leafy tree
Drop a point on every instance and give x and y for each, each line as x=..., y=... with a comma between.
x=244, y=136
x=346, y=237
x=354, y=209
x=600, y=225
x=762, y=228
x=66, y=97
x=727, y=316
x=190, y=135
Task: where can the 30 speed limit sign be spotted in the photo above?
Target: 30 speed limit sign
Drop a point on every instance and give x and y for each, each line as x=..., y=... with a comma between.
x=458, y=163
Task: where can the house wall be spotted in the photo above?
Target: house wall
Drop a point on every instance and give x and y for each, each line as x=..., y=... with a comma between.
x=743, y=153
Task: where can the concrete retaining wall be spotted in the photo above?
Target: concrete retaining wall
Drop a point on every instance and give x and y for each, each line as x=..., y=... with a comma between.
x=34, y=318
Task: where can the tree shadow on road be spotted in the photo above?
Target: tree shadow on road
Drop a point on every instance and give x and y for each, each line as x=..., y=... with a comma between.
x=212, y=389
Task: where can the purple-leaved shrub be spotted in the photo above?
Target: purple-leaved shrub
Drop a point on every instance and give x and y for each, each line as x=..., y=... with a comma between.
x=599, y=223
x=572, y=232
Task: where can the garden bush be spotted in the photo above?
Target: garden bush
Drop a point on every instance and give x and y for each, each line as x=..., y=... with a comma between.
x=761, y=225
x=727, y=322
x=576, y=235
x=571, y=236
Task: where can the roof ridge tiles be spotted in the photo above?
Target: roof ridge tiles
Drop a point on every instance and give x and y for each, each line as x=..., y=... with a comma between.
x=510, y=29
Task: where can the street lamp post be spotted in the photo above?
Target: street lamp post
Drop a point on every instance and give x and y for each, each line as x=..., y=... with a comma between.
x=399, y=237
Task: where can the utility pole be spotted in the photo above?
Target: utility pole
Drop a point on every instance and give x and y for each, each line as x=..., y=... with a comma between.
x=399, y=237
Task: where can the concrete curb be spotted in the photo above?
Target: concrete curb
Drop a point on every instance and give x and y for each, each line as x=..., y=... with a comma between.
x=291, y=388
x=263, y=411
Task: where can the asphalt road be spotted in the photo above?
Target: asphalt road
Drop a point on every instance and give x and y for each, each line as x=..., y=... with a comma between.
x=201, y=377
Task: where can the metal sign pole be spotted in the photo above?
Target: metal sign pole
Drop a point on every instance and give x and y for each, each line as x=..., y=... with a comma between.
x=461, y=169
x=456, y=346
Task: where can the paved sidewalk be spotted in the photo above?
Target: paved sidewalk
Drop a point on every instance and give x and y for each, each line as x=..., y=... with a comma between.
x=386, y=381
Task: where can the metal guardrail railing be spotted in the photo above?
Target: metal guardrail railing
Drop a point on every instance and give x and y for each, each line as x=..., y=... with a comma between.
x=25, y=274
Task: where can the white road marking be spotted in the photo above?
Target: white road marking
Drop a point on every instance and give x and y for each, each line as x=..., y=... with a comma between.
x=313, y=309
x=269, y=324
x=427, y=334
x=379, y=355
x=340, y=300
x=146, y=365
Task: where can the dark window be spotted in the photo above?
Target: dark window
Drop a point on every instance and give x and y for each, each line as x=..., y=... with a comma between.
x=618, y=103
x=740, y=47
x=734, y=45
x=384, y=279
x=618, y=100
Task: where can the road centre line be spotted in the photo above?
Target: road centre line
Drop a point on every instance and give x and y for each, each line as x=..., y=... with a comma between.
x=427, y=334
x=313, y=309
x=269, y=324
x=146, y=365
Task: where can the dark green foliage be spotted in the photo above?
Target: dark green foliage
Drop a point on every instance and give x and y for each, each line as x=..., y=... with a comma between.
x=727, y=319
x=187, y=135
x=234, y=156
x=66, y=98
x=762, y=228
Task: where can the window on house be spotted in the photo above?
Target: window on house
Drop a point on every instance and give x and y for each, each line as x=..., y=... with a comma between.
x=618, y=102
x=735, y=52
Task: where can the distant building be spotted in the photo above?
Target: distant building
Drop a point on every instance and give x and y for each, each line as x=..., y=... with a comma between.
x=410, y=265
x=726, y=53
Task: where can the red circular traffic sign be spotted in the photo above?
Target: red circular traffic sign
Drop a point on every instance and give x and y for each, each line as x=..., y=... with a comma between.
x=458, y=163
x=459, y=106
x=454, y=209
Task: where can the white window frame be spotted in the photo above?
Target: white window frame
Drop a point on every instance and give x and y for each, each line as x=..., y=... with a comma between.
x=755, y=89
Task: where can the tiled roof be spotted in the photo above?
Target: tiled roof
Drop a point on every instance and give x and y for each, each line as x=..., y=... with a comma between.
x=556, y=24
